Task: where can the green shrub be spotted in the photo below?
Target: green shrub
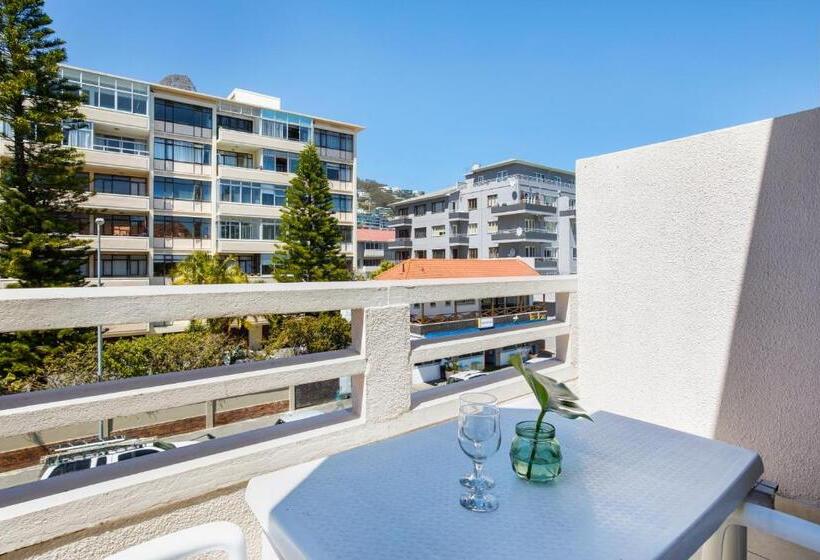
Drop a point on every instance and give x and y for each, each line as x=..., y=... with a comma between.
x=146, y=355
x=306, y=334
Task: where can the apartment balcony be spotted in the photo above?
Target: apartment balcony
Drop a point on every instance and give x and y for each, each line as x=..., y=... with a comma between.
x=567, y=213
x=345, y=218
x=331, y=154
x=373, y=253
x=107, y=201
x=110, y=160
x=228, y=139
x=400, y=221
x=347, y=247
x=336, y=186
x=459, y=240
x=183, y=206
x=248, y=210
x=231, y=246
x=545, y=263
x=524, y=208
x=520, y=234
x=126, y=123
x=458, y=216
x=254, y=174
x=182, y=244
x=118, y=243
x=401, y=243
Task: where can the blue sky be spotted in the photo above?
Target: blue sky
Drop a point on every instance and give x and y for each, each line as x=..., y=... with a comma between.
x=441, y=85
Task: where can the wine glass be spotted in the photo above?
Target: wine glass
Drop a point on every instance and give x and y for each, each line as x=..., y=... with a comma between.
x=479, y=435
x=469, y=479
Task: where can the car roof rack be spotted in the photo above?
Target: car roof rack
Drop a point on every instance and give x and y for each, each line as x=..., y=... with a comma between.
x=84, y=449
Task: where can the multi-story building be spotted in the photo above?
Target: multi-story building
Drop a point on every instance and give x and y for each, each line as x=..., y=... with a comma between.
x=371, y=247
x=173, y=170
x=379, y=218
x=513, y=208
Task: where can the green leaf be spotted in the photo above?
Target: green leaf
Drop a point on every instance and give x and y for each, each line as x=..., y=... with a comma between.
x=552, y=395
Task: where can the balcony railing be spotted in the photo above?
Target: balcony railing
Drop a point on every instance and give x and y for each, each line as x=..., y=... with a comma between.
x=459, y=216
x=546, y=262
x=399, y=221
x=401, y=243
x=121, y=146
x=523, y=208
x=379, y=360
x=530, y=179
x=520, y=234
x=459, y=239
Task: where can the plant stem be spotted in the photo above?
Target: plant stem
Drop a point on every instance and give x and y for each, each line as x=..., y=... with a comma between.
x=535, y=441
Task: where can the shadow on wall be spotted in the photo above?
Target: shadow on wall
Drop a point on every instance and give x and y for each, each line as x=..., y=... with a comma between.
x=771, y=396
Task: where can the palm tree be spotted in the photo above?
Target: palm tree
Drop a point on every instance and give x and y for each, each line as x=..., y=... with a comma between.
x=203, y=268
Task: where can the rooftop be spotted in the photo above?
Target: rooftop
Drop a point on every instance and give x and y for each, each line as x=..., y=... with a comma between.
x=369, y=234
x=428, y=269
x=480, y=168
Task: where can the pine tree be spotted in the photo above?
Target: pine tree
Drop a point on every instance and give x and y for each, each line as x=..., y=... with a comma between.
x=310, y=233
x=40, y=180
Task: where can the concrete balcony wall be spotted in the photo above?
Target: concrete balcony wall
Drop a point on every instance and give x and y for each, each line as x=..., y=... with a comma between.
x=106, y=201
x=253, y=174
x=126, y=122
x=246, y=246
x=712, y=328
x=237, y=138
x=249, y=210
x=183, y=244
x=182, y=206
x=111, y=161
x=122, y=243
x=373, y=254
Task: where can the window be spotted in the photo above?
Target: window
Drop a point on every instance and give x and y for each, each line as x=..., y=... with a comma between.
x=472, y=203
x=530, y=251
x=529, y=224
x=402, y=211
x=439, y=206
x=572, y=203
x=235, y=159
x=472, y=253
x=234, y=123
x=492, y=227
x=472, y=229
x=438, y=253
x=182, y=227
x=78, y=135
x=136, y=453
x=245, y=192
x=493, y=252
x=109, y=93
x=375, y=245
x=439, y=231
x=121, y=225
x=120, y=144
x=420, y=233
x=492, y=200
x=575, y=252
x=502, y=174
x=71, y=466
x=279, y=124
x=421, y=254
x=119, y=184
x=347, y=234
x=547, y=253
x=283, y=162
x=342, y=202
x=419, y=209
x=248, y=263
x=270, y=230
x=333, y=140
x=338, y=172
x=182, y=189
x=182, y=118
x=249, y=229
x=164, y=264
x=539, y=177
x=180, y=151
x=124, y=265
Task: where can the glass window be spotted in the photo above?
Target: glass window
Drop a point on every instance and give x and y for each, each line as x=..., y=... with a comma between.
x=234, y=123
x=78, y=135
x=124, y=265
x=492, y=227
x=334, y=140
x=439, y=231
x=164, y=264
x=438, y=253
x=107, y=92
x=283, y=162
x=235, y=159
x=472, y=203
x=270, y=230
x=492, y=200
x=183, y=118
x=472, y=253
x=182, y=189
x=439, y=206
x=182, y=227
x=280, y=124
x=119, y=184
x=472, y=229
x=342, y=203
x=181, y=151
x=420, y=233
x=338, y=172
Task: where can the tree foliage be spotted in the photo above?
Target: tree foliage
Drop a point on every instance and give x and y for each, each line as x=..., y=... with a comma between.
x=40, y=183
x=203, y=268
x=383, y=266
x=309, y=232
x=306, y=334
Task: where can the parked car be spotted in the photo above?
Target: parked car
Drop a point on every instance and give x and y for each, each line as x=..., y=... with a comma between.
x=464, y=376
x=85, y=456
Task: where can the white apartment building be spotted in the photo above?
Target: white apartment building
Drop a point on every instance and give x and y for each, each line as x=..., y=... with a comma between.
x=173, y=170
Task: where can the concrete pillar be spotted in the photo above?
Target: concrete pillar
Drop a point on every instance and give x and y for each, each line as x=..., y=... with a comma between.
x=382, y=336
x=566, y=345
x=210, y=414
x=255, y=336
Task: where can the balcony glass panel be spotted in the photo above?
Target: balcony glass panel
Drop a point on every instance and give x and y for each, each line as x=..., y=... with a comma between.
x=109, y=93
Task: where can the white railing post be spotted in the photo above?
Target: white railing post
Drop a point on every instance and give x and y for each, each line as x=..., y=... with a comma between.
x=382, y=336
x=566, y=310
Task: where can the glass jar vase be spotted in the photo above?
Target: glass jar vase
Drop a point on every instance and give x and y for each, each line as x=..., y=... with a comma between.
x=535, y=458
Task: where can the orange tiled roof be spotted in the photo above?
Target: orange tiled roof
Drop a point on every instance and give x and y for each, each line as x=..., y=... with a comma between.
x=426, y=269
x=368, y=234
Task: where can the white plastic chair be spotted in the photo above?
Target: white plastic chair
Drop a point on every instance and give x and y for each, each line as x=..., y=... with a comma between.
x=217, y=536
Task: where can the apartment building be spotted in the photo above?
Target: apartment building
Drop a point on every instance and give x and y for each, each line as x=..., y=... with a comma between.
x=513, y=208
x=371, y=247
x=173, y=170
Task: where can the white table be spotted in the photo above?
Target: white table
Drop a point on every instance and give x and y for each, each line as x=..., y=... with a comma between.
x=628, y=490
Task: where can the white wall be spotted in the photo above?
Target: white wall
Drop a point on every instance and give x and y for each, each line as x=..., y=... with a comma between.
x=699, y=289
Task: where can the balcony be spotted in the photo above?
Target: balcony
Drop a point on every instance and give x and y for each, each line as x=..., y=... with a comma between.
x=524, y=208
x=520, y=234
x=400, y=221
x=231, y=246
x=249, y=210
x=401, y=243
x=567, y=213
x=458, y=216
x=373, y=253
x=120, y=243
x=335, y=155
x=544, y=262
x=183, y=243
x=254, y=174
x=111, y=159
x=459, y=240
x=656, y=341
x=107, y=201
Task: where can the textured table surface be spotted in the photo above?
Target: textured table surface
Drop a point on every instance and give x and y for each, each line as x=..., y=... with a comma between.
x=628, y=490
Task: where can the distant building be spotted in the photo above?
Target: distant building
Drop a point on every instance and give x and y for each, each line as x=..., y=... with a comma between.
x=373, y=220
x=440, y=318
x=513, y=208
x=371, y=247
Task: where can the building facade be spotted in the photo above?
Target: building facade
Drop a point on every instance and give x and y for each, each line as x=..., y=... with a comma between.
x=371, y=248
x=173, y=171
x=508, y=209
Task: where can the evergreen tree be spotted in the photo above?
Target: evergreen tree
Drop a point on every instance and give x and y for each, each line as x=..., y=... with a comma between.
x=310, y=233
x=40, y=180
